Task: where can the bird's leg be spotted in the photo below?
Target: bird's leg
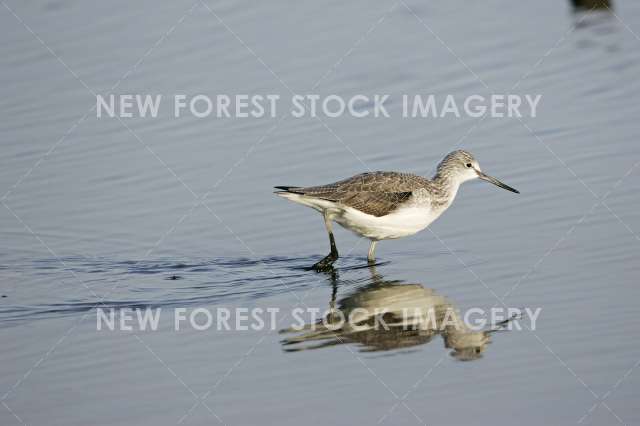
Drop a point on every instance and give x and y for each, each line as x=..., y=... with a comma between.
x=326, y=263
x=332, y=316
x=371, y=257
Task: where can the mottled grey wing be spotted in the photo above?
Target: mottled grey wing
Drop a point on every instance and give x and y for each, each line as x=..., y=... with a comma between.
x=375, y=193
x=376, y=203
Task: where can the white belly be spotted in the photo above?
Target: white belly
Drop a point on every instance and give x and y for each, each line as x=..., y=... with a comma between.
x=401, y=223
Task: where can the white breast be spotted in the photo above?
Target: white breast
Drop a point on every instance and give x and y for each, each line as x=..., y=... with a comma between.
x=401, y=223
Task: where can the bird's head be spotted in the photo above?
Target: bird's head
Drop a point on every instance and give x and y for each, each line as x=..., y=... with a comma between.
x=460, y=166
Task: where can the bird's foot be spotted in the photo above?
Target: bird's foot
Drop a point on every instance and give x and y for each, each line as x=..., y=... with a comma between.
x=325, y=264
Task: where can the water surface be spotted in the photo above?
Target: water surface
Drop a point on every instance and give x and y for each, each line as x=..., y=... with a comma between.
x=178, y=212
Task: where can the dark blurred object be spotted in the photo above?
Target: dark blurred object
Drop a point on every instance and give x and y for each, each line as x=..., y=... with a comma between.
x=592, y=4
x=596, y=15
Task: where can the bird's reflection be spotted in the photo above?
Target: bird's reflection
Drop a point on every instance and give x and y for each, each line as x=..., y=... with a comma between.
x=402, y=308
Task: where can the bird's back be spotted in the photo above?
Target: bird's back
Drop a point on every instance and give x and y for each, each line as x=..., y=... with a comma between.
x=375, y=193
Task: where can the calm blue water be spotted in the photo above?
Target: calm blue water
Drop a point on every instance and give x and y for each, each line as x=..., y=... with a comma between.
x=179, y=213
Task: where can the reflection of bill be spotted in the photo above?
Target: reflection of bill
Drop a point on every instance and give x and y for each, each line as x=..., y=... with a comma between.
x=386, y=315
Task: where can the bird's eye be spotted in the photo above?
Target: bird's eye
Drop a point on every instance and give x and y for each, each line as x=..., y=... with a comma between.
x=469, y=165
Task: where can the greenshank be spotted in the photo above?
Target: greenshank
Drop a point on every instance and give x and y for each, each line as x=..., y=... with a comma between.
x=387, y=205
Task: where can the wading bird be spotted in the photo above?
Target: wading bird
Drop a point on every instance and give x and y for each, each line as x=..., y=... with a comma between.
x=387, y=205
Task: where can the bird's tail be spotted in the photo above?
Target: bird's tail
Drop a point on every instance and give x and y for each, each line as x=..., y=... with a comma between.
x=297, y=194
x=292, y=189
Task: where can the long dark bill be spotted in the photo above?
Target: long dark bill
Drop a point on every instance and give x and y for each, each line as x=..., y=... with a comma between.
x=496, y=182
